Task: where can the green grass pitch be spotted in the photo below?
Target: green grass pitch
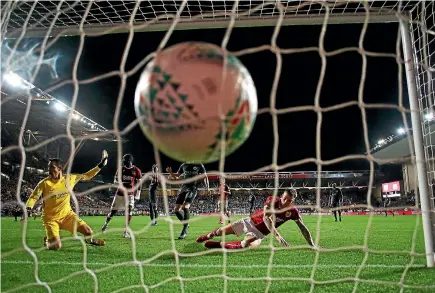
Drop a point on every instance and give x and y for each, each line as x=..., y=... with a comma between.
x=149, y=264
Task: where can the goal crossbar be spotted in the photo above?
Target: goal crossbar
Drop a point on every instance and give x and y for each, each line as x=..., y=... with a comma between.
x=55, y=19
x=188, y=24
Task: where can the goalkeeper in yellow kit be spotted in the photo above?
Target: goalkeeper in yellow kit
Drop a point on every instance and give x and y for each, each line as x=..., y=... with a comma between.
x=57, y=213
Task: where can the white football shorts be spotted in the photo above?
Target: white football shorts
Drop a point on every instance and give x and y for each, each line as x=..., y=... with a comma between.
x=247, y=227
x=119, y=202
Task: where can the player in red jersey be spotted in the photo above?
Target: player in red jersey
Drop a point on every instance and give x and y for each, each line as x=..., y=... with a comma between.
x=260, y=224
x=130, y=176
x=224, y=192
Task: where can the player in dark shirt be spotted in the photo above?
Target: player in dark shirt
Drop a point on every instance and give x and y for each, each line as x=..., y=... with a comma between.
x=153, y=196
x=130, y=176
x=188, y=191
x=251, y=202
x=336, y=201
x=387, y=203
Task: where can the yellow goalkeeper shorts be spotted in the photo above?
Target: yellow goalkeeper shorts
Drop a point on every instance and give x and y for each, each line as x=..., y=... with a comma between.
x=67, y=223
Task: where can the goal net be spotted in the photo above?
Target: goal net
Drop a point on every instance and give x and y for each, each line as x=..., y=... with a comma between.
x=370, y=254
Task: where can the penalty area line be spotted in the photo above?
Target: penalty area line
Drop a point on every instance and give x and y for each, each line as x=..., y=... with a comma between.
x=201, y=266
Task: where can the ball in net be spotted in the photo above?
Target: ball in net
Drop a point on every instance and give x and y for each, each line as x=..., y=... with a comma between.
x=192, y=96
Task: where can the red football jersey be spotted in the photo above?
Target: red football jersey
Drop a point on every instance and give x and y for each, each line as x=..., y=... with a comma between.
x=129, y=177
x=281, y=217
x=225, y=191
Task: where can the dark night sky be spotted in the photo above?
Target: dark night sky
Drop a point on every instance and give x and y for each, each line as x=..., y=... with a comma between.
x=342, y=132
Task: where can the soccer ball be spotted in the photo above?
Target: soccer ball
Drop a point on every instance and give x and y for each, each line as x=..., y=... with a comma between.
x=193, y=95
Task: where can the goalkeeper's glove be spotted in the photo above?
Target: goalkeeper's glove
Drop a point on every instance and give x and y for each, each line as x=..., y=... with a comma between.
x=104, y=157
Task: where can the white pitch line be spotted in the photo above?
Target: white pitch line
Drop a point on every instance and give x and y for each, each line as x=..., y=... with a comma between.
x=186, y=265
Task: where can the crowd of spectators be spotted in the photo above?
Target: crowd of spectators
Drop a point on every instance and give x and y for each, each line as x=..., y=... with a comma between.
x=99, y=204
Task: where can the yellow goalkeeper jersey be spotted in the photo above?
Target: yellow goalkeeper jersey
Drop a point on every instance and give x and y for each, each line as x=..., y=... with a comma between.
x=55, y=195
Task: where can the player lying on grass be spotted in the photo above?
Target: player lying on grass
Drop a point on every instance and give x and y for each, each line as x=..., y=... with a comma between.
x=57, y=213
x=260, y=224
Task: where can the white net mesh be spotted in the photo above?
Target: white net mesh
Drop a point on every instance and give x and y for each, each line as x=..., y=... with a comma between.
x=370, y=264
x=424, y=56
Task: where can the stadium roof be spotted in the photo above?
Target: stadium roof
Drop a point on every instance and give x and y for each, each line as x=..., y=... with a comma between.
x=395, y=149
x=47, y=117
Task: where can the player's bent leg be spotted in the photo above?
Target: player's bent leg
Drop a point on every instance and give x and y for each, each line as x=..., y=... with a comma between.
x=73, y=223
x=178, y=212
x=108, y=219
x=226, y=230
x=52, y=236
x=155, y=213
x=227, y=213
x=129, y=213
x=178, y=205
x=186, y=212
x=150, y=205
x=87, y=233
x=221, y=215
x=54, y=243
x=251, y=242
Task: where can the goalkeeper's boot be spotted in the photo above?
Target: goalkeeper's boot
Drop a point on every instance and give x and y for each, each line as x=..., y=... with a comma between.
x=154, y=223
x=96, y=242
x=104, y=228
x=184, y=232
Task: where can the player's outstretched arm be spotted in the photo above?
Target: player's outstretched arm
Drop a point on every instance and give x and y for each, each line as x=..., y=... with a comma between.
x=172, y=175
x=270, y=224
x=94, y=171
x=34, y=197
x=305, y=232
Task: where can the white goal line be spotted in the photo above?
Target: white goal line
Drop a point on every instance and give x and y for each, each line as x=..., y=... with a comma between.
x=201, y=266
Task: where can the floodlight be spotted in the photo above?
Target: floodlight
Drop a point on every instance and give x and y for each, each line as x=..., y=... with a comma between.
x=401, y=130
x=428, y=116
x=76, y=116
x=13, y=79
x=59, y=107
x=381, y=141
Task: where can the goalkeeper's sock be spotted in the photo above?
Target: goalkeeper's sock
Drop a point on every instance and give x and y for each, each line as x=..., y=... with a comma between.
x=179, y=215
x=233, y=245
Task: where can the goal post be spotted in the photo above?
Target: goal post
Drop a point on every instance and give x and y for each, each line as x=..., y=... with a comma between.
x=420, y=160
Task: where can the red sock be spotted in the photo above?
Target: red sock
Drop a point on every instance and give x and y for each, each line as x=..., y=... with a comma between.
x=233, y=245
x=215, y=232
x=212, y=244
